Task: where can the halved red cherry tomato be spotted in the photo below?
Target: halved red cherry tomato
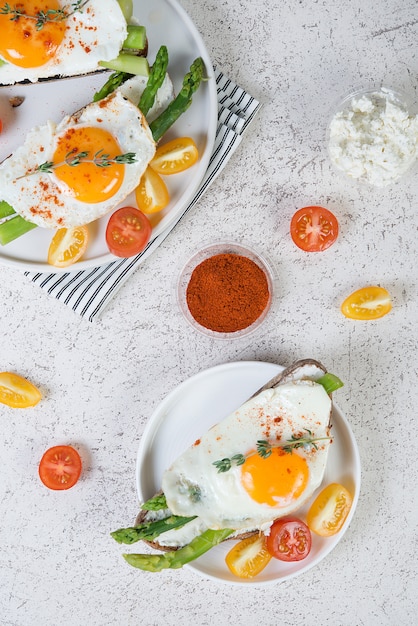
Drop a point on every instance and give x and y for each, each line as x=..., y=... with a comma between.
x=368, y=303
x=60, y=467
x=329, y=510
x=175, y=156
x=248, y=557
x=17, y=392
x=152, y=193
x=314, y=228
x=290, y=539
x=128, y=232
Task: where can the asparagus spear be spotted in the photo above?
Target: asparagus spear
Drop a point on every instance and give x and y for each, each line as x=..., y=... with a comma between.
x=136, y=39
x=132, y=57
x=181, y=103
x=5, y=209
x=330, y=382
x=13, y=228
x=127, y=8
x=115, y=80
x=174, y=560
x=150, y=530
x=155, y=80
x=129, y=63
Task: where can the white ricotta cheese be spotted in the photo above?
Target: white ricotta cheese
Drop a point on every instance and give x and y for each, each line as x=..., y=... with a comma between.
x=374, y=139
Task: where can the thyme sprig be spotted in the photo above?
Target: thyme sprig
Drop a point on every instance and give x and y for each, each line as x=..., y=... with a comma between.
x=42, y=17
x=264, y=449
x=74, y=158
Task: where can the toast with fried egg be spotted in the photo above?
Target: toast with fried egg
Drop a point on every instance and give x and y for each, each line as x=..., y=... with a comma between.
x=53, y=38
x=262, y=462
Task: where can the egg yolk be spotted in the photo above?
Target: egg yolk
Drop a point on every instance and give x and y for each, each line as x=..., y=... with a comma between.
x=24, y=40
x=276, y=480
x=89, y=181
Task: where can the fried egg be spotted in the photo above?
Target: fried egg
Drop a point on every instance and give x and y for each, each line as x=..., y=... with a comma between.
x=75, y=195
x=253, y=494
x=72, y=195
x=59, y=47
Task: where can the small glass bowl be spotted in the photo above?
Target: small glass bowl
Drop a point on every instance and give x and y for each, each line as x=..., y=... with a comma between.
x=206, y=253
x=386, y=94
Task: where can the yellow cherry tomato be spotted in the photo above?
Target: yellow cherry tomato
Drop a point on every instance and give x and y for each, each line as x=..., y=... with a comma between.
x=17, y=392
x=248, y=557
x=175, y=156
x=67, y=246
x=368, y=303
x=329, y=511
x=151, y=194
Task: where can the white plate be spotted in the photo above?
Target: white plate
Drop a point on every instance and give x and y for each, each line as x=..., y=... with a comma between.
x=199, y=403
x=166, y=23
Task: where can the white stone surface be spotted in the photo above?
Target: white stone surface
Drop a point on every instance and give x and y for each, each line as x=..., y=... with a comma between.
x=101, y=381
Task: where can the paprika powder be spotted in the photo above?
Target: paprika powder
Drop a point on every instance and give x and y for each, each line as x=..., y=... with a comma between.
x=227, y=292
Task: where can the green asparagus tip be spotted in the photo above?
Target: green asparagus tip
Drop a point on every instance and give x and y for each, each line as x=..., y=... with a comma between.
x=155, y=80
x=181, y=102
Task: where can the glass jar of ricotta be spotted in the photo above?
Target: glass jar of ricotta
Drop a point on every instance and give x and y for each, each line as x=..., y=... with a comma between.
x=373, y=136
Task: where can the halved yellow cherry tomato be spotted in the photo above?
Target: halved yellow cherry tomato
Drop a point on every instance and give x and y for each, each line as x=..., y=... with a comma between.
x=175, y=156
x=67, y=246
x=368, y=303
x=17, y=392
x=151, y=194
x=248, y=557
x=329, y=511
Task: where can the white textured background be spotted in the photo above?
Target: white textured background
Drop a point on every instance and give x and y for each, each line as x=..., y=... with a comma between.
x=101, y=381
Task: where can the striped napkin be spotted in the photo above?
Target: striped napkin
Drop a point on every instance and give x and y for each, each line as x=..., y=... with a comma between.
x=88, y=291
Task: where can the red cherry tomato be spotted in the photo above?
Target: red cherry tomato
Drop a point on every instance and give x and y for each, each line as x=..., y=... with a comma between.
x=60, y=467
x=1, y=126
x=290, y=539
x=128, y=232
x=314, y=228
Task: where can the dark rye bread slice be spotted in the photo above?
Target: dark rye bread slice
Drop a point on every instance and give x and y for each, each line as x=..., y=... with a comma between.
x=298, y=370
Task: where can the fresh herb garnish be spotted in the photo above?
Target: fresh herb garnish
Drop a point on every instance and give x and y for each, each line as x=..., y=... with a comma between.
x=42, y=17
x=264, y=449
x=195, y=493
x=73, y=158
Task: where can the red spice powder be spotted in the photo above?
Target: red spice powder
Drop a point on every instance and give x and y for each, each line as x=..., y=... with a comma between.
x=227, y=292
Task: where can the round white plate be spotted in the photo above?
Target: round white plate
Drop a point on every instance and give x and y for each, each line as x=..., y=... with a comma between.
x=199, y=403
x=166, y=23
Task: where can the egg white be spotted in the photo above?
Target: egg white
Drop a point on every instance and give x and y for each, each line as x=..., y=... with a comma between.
x=193, y=485
x=42, y=198
x=94, y=34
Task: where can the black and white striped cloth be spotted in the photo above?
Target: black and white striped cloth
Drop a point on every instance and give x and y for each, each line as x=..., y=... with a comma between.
x=88, y=291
